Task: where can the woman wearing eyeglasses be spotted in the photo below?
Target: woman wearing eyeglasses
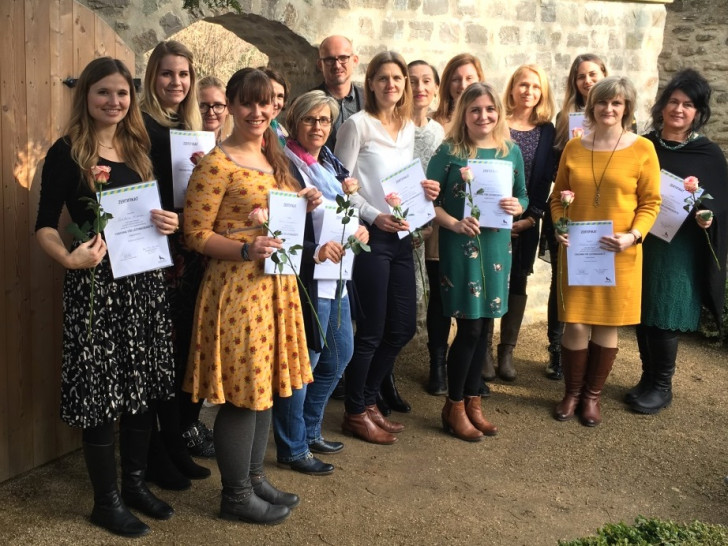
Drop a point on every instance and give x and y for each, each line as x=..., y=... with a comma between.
x=373, y=144
x=213, y=107
x=297, y=419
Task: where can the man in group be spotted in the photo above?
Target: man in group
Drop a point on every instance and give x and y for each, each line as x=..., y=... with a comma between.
x=337, y=63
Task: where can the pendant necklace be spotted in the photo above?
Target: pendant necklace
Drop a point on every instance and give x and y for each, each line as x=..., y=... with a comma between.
x=598, y=185
x=105, y=146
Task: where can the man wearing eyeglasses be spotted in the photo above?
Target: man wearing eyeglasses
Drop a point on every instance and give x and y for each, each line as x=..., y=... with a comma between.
x=337, y=63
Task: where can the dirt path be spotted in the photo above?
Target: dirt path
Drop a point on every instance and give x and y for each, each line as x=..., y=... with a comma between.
x=537, y=482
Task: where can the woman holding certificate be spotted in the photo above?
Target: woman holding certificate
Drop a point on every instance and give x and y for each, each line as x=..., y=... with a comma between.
x=170, y=102
x=679, y=276
x=249, y=340
x=614, y=176
x=475, y=262
x=373, y=144
x=117, y=354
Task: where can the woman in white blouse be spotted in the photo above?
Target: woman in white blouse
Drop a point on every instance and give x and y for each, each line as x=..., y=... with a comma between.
x=373, y=144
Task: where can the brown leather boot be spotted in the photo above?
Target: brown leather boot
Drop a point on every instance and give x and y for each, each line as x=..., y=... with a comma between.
x=574, y=365
x=381, y=421
x=474, y=411
x=361, y=426
x=456, y=422
x=601, y=360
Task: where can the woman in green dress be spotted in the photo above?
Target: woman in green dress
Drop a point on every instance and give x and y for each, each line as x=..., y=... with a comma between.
x=475, y=264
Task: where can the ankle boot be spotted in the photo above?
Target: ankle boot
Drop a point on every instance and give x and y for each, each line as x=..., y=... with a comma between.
x=263, y=488
x=240, y=503
x=510, y=326
x=645, y=382
x=456, y=422
x=574, y=363
x=554, y=370
x=474, y=411
x=160, y=468
x=391, y=396
x=362, y=426
x=134, y=445
x=663, y=353
x=601, y=360
x=381, y=421
x=383, y=406
x=109, y=510
x=488, y=363
x=437, y=383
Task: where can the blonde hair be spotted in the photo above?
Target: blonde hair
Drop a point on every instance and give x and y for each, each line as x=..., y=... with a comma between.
x=403, y=109
x=544, y=110
x=131, y=136
x=573, y=101
x=188, y=113
x=212, y=81
x=607, y=89
x=447, y=104
x=462, y=145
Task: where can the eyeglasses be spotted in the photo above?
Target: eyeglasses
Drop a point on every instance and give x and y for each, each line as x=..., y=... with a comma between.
x=310, y=121
x=331, y=61
x=216, y=108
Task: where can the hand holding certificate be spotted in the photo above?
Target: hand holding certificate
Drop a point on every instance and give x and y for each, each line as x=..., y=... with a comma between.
x=287, y=221
x=588, y=263
x=331, y=230
x=186, y=147
x=672, y=210
x=407, y=184
x=576, y=125
x=492, y=181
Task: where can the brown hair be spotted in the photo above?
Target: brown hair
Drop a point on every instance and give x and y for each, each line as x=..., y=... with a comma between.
x=403, y=109
x=607, y=89
x=447, y=103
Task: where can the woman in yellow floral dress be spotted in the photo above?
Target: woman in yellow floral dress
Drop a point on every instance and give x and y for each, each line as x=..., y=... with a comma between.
x=249, y=336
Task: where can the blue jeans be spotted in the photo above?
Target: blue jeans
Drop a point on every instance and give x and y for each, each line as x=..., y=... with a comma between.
x=297, y=418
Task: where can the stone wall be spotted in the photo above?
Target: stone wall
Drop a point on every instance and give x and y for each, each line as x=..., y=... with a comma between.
x=696, y=36
x=503, y=33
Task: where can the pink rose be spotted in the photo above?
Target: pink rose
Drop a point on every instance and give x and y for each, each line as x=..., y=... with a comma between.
x=691, y=184
x=195, y=158
x=467, y=174
x=259, y=216
x=101, y=173
x=350, y=185
x=393, y=200
x=567, y=198
x=577, y=132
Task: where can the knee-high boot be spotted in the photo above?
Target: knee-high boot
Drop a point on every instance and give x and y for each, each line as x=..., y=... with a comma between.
x=601, y=360
x=663, y=352
x=645, y=382
x=574, y=364
x=510, y=326
x=488, y=362
x=109, y=510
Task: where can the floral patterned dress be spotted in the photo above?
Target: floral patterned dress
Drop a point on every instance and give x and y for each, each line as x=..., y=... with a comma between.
x=249, y=336
x=461, y=281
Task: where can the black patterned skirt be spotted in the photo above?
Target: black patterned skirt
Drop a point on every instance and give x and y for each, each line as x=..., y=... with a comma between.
x=126, y=362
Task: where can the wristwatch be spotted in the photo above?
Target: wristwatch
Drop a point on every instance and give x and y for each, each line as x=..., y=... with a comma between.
x=244, y=252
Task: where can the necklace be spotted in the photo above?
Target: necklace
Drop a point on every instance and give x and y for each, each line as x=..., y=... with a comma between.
x=105, y=146
x=601, y=178
x=692, y=136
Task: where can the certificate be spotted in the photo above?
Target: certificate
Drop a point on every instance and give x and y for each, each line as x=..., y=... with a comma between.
x=330, y=229
x=407, y=182
x=134, y=243
x=287, y=214
x=576, y=125
x=183, y=144
x=672, y=212
x=589, y=265
x=492, y=181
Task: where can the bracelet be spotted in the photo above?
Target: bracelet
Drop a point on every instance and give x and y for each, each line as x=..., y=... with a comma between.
x=244, y=252
x=533, y=221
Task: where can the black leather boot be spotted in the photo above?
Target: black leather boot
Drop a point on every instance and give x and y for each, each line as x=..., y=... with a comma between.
x=645, y=382
x=263, y=488
x=134, y=444
x=391, y=396
x=109, y=510
x=437, y=384
x=240, y=503
x=663, y=352
x=160, y=468
x=553, y=369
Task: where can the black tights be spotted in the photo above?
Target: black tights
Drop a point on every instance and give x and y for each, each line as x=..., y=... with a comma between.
x=104, y=434
x=466, y=358
x=438, y=325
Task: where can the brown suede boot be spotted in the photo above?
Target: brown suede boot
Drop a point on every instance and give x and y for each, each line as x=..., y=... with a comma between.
x=361, y=426
x=474, y=411
x=574, y=365
x=601, y=360
x=456, y=422
x=381, y=421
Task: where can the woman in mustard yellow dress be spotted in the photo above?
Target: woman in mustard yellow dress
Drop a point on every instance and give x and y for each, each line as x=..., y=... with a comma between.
x=249, y=336
x=615, y=175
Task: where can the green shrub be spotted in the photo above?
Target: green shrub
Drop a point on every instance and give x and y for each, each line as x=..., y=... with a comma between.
x=655, y=532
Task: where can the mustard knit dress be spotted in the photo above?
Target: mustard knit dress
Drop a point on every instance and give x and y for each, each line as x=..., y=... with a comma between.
x=630, y=198
x=248, y=336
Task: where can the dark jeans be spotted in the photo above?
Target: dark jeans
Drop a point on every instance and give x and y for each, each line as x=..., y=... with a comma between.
x=438, y=325
x=465, y=361
x=385, y=283
x=555, y=328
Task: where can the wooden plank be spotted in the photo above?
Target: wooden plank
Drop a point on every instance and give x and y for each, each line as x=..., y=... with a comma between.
x=104, y=39
x=15, y=252
x=125, y=54
x=84, y=33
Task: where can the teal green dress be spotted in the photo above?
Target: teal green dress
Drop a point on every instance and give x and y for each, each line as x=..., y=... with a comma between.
x=461, y=280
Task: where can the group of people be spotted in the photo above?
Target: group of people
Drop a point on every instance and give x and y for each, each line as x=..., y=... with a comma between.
x=215, y=327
